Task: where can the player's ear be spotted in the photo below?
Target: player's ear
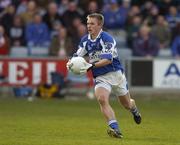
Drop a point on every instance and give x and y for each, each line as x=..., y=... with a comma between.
x=100, y=24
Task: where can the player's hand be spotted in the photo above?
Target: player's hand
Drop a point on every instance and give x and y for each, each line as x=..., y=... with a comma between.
x=86, y=68
x=69, y=64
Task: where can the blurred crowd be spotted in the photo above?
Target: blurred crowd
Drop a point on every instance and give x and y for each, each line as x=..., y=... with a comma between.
x=55, y=27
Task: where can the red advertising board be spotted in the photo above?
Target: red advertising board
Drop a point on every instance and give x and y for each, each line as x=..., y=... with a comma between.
x=31, y=71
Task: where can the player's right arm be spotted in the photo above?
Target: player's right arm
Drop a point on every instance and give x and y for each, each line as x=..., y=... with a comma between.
x=82, y=47
x=81, y=50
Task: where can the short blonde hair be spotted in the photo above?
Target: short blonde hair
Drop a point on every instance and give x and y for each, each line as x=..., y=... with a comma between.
x=98, y=16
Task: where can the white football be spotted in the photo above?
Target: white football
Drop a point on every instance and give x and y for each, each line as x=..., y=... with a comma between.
x=76, y=64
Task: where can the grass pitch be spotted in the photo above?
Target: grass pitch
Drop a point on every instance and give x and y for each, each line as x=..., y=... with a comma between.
x=67, y=122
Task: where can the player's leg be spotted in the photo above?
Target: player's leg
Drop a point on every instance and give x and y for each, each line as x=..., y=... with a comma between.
x=122, y=92
x=130, y=105
x=102, y=95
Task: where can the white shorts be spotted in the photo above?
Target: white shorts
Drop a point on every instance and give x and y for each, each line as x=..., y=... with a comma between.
x=113, y=81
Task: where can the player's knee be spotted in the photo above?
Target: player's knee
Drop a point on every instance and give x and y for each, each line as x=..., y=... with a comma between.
x=132, y=101
x=102, y=99
x=129, y=105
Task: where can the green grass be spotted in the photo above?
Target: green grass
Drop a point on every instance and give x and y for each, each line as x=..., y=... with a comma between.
x=67, y=122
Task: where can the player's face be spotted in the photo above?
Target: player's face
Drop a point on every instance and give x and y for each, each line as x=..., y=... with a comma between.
x=93, y=26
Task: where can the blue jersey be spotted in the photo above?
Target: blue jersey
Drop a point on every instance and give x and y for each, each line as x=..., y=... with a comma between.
x=103, y=47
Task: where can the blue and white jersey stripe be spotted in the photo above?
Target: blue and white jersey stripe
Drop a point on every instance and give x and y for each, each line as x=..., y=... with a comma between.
x=103, y=47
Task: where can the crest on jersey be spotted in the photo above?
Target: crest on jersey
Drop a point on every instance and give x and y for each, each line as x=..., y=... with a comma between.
x=108, y=45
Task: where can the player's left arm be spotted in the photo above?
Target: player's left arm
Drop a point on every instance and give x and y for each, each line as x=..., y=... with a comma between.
x=102, y=62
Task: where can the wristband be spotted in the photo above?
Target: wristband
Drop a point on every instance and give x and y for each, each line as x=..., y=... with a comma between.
x=93, y=65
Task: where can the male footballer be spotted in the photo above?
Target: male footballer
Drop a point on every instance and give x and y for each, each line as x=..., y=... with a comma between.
x=107, y=72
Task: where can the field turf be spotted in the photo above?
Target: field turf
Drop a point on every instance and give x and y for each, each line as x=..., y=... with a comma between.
x=70, y=122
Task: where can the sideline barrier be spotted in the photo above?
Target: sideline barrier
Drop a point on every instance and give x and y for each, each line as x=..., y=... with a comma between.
x=141, y=72
x=31, y=71
x=157, y=73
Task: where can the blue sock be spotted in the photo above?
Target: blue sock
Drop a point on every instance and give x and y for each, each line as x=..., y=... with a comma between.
x=113, y=124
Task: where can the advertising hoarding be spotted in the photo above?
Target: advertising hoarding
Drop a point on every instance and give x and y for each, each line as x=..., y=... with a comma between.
x=166, y=74
x=25, y=71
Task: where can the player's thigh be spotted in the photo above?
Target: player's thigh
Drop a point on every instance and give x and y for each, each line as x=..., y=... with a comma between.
x=102, y=93
x=122, y=92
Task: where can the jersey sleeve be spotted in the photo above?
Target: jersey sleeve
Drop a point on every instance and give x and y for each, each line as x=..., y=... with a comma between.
x=108, y=50
x=81, y=48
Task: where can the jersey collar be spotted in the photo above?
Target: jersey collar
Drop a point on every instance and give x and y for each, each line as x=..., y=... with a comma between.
x=89, y=37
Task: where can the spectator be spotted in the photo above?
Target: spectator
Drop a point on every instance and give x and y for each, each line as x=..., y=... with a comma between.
x=83, y=4
x=51, y=15
x=27, y=16
x=162, y=32
x=114, y=18
x=37, y=33
x=146, y=8
x=70, y=14
x=7, y=19
x=22, y=7
x=4, y=43
x=176, y=47
x=61, y=44
x=63, y=7
x=81, y=31
x=125, y=6
x=73, y=31
x=55, y=29
x=133, y=29
x=176, y=43
x=175, y=31
x=76, y=32
x=150, y=20
x=164, y=6
x=145, y=44
x=17, y=36
x=4, y=4
x=134, y=11
x=173, y=17
x=92, y=7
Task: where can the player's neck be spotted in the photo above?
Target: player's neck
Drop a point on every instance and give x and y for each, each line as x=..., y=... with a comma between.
x=95, y=35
